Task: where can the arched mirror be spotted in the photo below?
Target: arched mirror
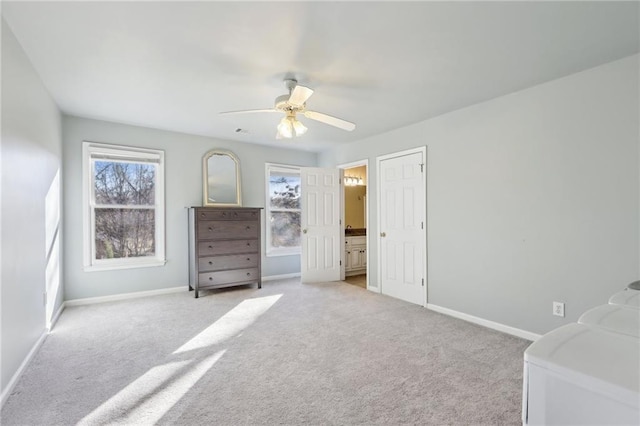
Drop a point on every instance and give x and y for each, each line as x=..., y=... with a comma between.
x=221, y=172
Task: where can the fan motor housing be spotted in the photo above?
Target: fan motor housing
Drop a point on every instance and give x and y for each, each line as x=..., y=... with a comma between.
x=282, y=104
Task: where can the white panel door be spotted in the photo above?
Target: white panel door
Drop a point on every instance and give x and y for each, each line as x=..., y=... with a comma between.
x=402, y=222
x=320, y=222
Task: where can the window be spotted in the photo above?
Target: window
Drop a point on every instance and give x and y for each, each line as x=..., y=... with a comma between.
x=283, y=210
x=124, y=207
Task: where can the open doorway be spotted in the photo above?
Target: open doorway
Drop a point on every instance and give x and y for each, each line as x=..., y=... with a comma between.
x=355, y=221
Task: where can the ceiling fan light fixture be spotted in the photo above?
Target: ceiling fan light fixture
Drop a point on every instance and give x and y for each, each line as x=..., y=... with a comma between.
x=285, y=128
x=299, y=128
x=290, y=127
x=295, y=102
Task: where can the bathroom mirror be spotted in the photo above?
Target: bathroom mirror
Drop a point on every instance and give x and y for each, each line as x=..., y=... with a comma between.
x=221, y=173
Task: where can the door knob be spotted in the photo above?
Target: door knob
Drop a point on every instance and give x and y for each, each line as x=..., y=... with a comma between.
x=383, y=234
x=304, y=231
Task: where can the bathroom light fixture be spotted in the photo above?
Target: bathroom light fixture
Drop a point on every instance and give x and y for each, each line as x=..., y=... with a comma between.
x=353, y=181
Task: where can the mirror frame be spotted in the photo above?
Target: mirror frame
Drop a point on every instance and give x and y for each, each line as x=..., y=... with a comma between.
x=206, y=173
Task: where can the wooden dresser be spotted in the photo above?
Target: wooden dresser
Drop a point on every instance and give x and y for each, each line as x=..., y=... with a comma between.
x=224, y=247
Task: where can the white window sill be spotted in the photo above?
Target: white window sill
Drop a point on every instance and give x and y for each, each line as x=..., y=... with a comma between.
x=123, y=265
x=277, y=253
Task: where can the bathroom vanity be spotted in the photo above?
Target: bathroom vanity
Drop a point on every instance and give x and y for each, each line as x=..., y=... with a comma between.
x=355, y=252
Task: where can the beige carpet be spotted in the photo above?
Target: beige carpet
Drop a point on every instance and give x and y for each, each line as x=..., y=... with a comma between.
x=289, y=353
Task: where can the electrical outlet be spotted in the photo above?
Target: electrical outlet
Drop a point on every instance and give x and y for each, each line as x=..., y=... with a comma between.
x=558, y=309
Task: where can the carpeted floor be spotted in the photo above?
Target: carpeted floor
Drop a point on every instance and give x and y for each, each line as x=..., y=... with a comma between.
x=289, y=353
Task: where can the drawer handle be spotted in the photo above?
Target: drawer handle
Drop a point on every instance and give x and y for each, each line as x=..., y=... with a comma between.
x=235, y=213
x=248, y=244
x=210, y=229
x=248, y=258
x=210, y=247
x=248, y=274
x=210, y=263
x=210, y=278
x=202, y=215
x=248, y=227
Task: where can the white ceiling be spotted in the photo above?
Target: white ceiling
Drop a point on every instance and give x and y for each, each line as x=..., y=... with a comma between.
x=176, y=65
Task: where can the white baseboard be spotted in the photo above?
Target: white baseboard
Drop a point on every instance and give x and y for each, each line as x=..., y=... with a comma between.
x=124, y=296
x=14, y=379
x=486, y=323
x=280, y=277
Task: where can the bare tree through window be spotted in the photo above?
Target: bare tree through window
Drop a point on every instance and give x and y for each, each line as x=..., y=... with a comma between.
x=124, y=195
x=284, y=201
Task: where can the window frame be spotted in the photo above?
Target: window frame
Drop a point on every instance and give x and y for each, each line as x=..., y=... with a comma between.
x=270, y=250
x=91, y=152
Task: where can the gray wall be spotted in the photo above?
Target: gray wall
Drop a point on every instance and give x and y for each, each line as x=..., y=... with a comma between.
x=531, y=198
x=31, y=158
x=183, y=188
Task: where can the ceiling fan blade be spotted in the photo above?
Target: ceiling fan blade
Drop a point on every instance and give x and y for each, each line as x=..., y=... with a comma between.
x=299, y=95
x=247, y=111
x=332, y=121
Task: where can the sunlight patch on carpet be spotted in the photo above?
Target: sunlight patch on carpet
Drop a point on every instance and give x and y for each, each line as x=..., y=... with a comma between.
x=152, y=395
x=231, y=324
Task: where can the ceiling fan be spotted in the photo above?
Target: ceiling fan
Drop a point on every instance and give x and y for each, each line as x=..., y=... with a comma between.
x=291, y=105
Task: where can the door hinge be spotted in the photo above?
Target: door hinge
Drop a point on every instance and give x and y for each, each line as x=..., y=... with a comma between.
x=421, y=167
x=423, y=282
x=421, y=225
x=341, y=263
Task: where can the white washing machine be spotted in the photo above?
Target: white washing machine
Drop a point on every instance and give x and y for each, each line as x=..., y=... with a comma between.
x=627, y=298
x=618, y=318
x=582, y=374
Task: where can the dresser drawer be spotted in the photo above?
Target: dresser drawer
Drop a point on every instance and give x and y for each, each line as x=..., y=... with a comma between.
x=235, y=261
x=220, y=229
x=228, y=214
x=227, y=277
x=213, y=248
